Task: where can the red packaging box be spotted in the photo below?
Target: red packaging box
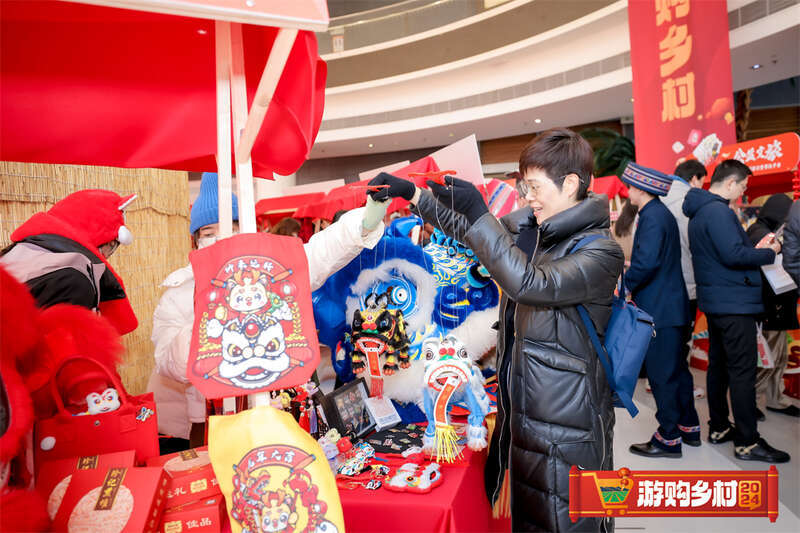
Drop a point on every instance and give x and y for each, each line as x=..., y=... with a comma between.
x=54, y=477
x=205, y=516
x=114, y=500
x=191, y=477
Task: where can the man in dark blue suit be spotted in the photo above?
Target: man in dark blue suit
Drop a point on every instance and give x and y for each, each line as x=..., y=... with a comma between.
x=656, y=285
x=726, y=267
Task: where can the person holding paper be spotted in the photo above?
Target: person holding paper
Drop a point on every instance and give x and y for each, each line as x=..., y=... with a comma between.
x=780, y=312
x=729, y=293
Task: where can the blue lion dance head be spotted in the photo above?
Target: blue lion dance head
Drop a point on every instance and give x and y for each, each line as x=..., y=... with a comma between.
x=438, y=288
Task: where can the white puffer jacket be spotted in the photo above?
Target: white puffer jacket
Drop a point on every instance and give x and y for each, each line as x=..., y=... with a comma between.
x=178, y=403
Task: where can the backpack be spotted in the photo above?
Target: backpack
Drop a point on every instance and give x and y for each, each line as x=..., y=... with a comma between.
x=627, y=339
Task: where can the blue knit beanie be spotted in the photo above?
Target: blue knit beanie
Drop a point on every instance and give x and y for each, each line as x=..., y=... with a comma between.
x=205, y=210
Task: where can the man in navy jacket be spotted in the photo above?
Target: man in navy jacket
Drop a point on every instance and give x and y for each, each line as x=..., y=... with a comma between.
x=726, y=268
x=657, y=286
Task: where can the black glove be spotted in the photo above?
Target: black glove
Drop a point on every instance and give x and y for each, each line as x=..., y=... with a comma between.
x=461, y=196
x=397, y=187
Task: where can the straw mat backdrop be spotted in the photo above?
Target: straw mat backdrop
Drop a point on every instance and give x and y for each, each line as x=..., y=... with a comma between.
x=159, y=220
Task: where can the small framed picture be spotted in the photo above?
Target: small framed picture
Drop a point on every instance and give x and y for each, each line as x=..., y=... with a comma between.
x=346, y=409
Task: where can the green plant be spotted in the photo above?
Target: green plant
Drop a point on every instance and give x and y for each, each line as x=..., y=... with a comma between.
x=612, y=151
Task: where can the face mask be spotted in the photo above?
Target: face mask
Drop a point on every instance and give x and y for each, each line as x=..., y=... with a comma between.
x=202, y=242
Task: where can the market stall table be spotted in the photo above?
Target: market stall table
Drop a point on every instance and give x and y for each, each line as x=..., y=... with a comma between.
x=458, y=504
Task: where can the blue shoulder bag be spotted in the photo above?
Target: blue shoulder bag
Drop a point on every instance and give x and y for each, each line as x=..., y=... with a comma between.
x=627, y=339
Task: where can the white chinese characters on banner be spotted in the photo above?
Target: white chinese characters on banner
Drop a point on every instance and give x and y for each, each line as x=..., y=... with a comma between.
x=658, y=493
x=769, y=152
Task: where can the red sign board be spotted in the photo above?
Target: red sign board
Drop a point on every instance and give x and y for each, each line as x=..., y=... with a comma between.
x=683, y=95
x=673, y=493
x=768, y=155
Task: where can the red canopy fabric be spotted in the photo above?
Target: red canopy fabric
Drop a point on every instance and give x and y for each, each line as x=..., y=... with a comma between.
x=345, y=197
x=95, y=85
x=353, y=195
x=611, y=186
x=275, y=209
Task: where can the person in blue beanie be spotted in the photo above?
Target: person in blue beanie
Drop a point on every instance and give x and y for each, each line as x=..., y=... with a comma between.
x=726, y=268
x=181, y=407
x=657, y=286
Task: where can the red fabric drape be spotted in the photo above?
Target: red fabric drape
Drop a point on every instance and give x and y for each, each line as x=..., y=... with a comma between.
x=273, y=210
x=611, y=186
x=95, y=85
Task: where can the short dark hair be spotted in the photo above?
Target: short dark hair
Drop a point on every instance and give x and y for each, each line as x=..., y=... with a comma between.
x=286, y=226
x=690, y=169
x=730, y=168
x=559, y=152
x=338, y=214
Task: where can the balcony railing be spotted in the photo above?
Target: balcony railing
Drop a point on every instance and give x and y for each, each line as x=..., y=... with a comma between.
x=396, y=21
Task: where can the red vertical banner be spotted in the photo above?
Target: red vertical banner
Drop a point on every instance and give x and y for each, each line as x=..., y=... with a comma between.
x=682, y=88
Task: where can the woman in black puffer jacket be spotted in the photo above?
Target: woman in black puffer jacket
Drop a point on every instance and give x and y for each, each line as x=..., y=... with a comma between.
x=780, y=311
x=554, y=408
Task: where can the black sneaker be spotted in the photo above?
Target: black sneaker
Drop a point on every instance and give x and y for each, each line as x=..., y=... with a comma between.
x=761, y=451
x=718, y=437
x=760, y=414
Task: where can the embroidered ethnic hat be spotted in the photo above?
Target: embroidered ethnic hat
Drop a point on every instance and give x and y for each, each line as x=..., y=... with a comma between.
x=647, y=179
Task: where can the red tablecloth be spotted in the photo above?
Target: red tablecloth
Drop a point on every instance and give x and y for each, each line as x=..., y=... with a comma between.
x=458, y=504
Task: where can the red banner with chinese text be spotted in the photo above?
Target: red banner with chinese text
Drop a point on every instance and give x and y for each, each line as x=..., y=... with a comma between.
x=673, y=493
x=682, y=89
x=767, y=155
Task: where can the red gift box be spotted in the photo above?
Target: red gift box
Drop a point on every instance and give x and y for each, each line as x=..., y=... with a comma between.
x=205, y=516
x=113, y=500
x=190, y=474
x=54, y=476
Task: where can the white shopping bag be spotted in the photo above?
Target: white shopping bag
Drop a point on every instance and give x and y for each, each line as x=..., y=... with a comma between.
x=765, y=358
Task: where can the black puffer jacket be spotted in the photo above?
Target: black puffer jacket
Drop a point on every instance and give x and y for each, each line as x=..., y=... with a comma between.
x=555, y=404
x=791, y=243
x=780, y=310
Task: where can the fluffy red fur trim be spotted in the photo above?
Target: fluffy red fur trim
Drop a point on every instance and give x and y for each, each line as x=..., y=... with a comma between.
x=70, y=330
x=18, y=312
x=20, y=412
x=23, y=510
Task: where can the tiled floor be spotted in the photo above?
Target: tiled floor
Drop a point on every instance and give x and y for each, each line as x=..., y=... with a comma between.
x=780, y=431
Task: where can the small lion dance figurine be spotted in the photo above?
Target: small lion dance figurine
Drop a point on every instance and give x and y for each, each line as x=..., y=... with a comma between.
x=379, y=331
x=452, y=378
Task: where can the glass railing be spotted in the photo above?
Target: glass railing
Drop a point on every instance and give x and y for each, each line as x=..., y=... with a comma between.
x=396, y=21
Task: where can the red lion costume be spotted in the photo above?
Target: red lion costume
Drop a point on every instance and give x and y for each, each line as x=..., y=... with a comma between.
x=32, y=345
